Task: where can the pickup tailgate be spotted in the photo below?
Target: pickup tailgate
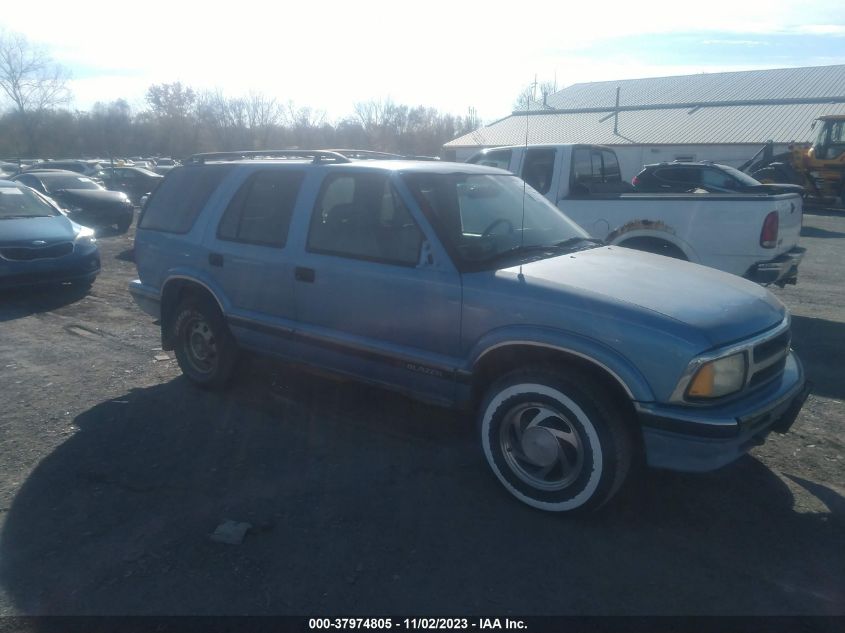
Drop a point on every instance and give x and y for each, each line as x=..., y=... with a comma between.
x=790, y=217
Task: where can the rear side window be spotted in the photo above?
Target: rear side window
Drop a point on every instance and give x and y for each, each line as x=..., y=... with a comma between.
x=538, y=169
x=500, y=158
x=612, y=173
x=679, y=174
x=260, y=212
x=180, y=197
x=582, y=166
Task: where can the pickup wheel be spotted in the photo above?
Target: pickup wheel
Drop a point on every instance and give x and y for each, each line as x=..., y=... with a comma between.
x=654, y=245
x=205, y=348
x=555, y=440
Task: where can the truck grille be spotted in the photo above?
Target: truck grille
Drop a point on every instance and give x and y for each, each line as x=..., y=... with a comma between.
x=768, y=359
x=25, y=253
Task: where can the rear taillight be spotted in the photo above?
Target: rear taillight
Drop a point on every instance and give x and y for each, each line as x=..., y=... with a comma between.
x=769, y=234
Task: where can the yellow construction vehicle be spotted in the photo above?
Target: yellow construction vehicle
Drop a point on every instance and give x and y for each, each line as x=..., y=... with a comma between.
x=819, y=166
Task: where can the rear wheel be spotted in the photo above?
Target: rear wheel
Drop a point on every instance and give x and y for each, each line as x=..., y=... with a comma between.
x=124, y=224
x=205, y=348
x=556, y=441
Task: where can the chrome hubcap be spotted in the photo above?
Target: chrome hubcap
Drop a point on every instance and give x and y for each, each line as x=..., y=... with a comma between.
x=201, y=347
x=541, y=446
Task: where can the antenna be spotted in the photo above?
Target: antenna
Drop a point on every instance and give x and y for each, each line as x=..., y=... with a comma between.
x=616, y=112
x=524, y=155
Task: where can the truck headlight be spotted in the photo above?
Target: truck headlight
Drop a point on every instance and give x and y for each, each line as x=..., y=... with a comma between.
x=718, y=377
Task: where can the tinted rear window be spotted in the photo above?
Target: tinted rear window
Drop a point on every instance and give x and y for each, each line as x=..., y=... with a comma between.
x=180, y=197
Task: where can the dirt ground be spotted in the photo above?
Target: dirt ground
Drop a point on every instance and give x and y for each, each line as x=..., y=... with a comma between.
x=114, y=471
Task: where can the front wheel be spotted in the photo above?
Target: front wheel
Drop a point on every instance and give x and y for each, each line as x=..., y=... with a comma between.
x=556, y=441
x=205, y=348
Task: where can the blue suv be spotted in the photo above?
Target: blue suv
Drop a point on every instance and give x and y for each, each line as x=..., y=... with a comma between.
x=460, y=285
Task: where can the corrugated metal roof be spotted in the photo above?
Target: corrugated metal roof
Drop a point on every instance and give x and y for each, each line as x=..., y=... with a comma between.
x=782, y=83
x=676, y=126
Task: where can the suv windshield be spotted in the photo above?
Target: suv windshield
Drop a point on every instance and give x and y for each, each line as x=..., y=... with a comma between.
x=56, y=183
x=22, y=203
x=481, y=216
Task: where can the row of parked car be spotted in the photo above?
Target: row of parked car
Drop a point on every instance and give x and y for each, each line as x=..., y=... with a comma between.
x=49, y=211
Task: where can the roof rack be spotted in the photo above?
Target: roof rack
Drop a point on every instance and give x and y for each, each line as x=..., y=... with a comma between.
x=316, y=156
x=366, y=154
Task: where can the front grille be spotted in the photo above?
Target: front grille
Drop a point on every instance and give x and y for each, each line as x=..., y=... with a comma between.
x=768, y=359
x=26, y=253
x=764, y=351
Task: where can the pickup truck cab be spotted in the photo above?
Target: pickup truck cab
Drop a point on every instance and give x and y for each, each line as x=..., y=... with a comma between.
x=751, y=235
x=457, y=285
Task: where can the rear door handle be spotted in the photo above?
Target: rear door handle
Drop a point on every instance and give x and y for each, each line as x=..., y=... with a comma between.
x=215, y=259
x=304, y=274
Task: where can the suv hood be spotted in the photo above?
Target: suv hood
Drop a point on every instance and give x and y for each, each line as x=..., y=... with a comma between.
x=93, y=199
x=722, y=307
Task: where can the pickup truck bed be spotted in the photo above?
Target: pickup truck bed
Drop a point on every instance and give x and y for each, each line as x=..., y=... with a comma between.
x=751, y=235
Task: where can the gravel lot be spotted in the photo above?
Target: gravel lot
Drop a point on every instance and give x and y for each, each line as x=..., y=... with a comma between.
x=114, y=471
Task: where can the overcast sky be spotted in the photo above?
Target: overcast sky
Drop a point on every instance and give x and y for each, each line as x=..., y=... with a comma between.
x=450, y=55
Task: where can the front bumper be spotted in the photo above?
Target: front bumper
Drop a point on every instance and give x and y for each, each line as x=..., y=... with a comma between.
x=146, y=297
x=698, y=440
x=781, y=270
x=75, y=269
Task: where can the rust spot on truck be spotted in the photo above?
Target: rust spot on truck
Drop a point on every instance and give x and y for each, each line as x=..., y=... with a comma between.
x=639, y=225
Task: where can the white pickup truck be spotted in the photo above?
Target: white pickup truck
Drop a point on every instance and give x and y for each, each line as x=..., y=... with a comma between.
x=751, y=235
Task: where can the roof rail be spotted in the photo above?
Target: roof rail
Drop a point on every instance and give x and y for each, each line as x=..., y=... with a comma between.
x=366, y=154
x=316, y=156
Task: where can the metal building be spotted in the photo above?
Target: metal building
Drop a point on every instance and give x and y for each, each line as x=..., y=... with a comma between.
x=723, y=117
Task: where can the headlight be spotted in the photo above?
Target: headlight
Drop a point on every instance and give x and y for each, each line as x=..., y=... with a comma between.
x=84, y=235
x=718, y=377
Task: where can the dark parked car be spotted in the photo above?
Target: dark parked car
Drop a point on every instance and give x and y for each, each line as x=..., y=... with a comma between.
x=683, y=177
x=83, y=199
x=39, y=244
x=84, y=167
x=133, y=181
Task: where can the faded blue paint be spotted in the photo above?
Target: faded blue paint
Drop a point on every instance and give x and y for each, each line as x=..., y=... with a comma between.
x=422, y=329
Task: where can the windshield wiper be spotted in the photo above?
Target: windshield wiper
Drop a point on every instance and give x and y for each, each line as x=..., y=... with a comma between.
x=17, y=217
x=557, y=247
x=572, y=241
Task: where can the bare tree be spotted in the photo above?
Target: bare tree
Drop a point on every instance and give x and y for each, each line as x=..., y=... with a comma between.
x=31, y=81
x=263, y=114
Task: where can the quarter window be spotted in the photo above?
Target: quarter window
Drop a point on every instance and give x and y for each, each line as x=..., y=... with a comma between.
x=500, y=158
x=361, y=216
x=538, y=169
x=260, y=212
x=177, y=202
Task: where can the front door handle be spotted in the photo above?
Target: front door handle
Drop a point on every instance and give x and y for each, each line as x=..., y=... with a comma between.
x=215, y=259
x=304, y=274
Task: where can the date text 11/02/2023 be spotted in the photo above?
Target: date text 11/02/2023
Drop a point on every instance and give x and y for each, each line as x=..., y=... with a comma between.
x=417, y=623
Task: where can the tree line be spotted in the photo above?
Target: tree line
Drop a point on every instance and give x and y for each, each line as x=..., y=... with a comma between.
x=178, y=120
